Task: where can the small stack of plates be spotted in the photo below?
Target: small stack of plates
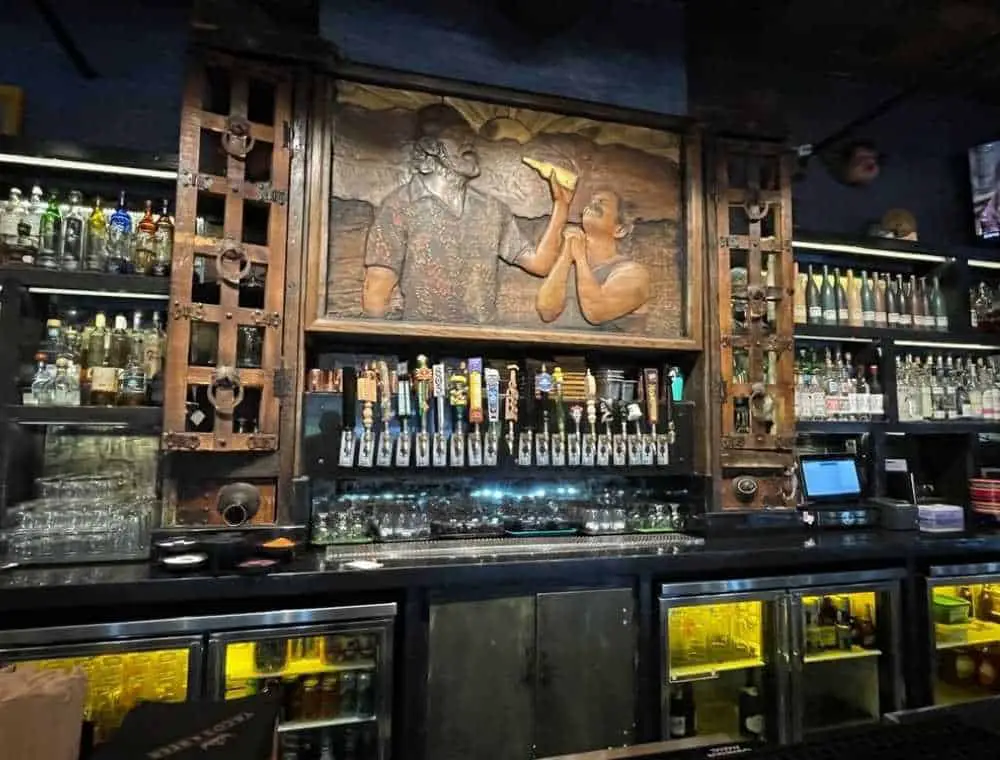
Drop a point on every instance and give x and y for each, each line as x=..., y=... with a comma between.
x=984, y=494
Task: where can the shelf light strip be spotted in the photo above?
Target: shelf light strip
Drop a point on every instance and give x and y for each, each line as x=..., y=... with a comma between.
x=851, y=338
x=99, y=293
x=864, y=251
x=956, y=346
x=85, y=166
x=984, y=264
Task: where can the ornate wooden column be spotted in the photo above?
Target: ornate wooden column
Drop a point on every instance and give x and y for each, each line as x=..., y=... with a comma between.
x=755, y=390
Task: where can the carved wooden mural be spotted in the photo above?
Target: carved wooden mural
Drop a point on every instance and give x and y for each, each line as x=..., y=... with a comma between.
x=454, y=214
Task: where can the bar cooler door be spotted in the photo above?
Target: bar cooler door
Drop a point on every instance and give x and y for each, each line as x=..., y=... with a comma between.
x=331, y=667
x=845, y=652
x=120, y=672
x=722, y=673
x=964, y=610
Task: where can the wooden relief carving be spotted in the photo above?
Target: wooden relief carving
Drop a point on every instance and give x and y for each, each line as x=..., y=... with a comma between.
x=453, y=214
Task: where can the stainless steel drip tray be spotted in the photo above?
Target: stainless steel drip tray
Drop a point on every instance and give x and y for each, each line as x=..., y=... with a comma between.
x=483, y=548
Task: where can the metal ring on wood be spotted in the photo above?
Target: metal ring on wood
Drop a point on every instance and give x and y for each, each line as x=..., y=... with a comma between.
x=225, y=377
x=236, y=139
x=231, y=249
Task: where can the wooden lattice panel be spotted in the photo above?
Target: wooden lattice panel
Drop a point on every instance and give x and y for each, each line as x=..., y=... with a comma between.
x=228, y=277
x=753, y=228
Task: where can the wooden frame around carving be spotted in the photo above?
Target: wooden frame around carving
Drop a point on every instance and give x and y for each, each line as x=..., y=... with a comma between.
x=321, y=139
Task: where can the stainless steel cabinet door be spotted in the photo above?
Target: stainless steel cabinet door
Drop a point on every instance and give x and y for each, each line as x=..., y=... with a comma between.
x=585, y=697
x=480, y=689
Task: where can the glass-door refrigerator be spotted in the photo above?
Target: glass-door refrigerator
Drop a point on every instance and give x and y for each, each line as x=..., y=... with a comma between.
x=846, y=650
x=332, y=669
x=125, y=663
x=779, y=659
x=723, y=650
x=964, y=610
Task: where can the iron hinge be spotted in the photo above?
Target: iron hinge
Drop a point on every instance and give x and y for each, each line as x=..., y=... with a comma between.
x=721, y=390
x=180, y=441
x=199, y=181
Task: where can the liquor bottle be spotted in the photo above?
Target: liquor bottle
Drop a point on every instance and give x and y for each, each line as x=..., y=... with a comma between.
x=863, y=394
x=65, y=386
x=28, y=233
x=145, y=241
x=949, y=401
x=13, y=213
x=799, y=310
x=153, y=343
x=867, y=301
x=840, y=296
x=814, y=310
x=917, y=303
x=50, y=235
x=682, y=712
x=828, y=298
x=119, y=248
x=71, y=253
x=96, y=249
x=876, y=398
x=855, y=312
x=975, y=392
x=120, y=342
x=133, y=388
x=905, y=302
x=864, y=629
x=881, y=301
x=892, y=303
x=832, y=378
x=937, y=389
x=103, y=374
x=164, y=243
x=938, y=306
x=41, y=393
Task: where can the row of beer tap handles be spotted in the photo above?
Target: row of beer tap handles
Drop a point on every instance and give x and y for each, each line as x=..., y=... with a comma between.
x=605, y=430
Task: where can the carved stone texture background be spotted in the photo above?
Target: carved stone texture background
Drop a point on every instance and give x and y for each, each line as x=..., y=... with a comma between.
x=374, y=135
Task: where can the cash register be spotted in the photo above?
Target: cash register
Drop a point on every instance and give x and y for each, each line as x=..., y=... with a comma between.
x=833, y=497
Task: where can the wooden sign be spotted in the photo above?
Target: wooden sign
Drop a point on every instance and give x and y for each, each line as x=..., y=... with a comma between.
x=449, y=217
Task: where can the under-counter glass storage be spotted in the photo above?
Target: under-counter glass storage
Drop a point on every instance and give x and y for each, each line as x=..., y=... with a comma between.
x=779, y=659
x=333, y=680
x=964, y=611
x=120, y=674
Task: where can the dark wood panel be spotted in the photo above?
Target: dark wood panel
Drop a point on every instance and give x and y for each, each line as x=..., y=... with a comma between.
x=586, y=696
x=480, y=681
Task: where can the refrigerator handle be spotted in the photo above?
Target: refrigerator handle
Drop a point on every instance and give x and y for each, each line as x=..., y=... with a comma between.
x=215, y=678
x=795, y=695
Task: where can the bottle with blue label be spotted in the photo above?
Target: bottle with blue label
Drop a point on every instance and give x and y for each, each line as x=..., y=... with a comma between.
x=119, y=248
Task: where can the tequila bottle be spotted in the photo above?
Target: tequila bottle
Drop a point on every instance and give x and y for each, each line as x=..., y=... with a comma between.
x=27, y=233
x=41, y=383
x=145, y=241
x=153, y=342
x=13, y=213
x=65, y=388
x=120, y=259
x=71, y=254
x=103, y=374
x=96, y=258
x=50, y=235
x=164, y=243
x=133, y=384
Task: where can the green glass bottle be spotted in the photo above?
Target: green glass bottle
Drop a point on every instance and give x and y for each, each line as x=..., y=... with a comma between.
x=814, y=311
x=50, y=235
x=828, y=298
x=867, y=301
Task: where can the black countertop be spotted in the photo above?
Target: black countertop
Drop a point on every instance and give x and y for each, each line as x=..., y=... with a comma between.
x=311, y=575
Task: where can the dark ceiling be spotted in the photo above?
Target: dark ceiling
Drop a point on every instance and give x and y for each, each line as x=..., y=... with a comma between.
x=949, y=45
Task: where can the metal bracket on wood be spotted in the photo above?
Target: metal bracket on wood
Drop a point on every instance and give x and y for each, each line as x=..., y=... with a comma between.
x=258, y=442
x=199, y=181
x=265, y=192
x=181, y=441
x=192, y=311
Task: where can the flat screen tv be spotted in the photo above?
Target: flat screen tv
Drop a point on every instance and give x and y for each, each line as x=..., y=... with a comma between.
x=984, y=169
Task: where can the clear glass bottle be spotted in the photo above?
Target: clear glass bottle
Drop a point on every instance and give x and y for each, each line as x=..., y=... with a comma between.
x=855, y=311
x=950, y=400
x=132, y=391
x=71, y=253
x=937, y=390
x=905, y=302
x=975, y=392
x=832, y=379
x=876, y=397
x=120, y=260
x=145, y=241
x=103, y=374
x=863, y=394
x=62, y=386
x=13, y=213
x=42, y=391
x=28, y=233
x=892, y=296
x=154, y=341
x=164, y=242
x=96, y=257
x=50, y=235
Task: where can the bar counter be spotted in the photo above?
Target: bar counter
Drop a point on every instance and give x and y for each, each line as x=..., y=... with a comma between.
x=59, y=590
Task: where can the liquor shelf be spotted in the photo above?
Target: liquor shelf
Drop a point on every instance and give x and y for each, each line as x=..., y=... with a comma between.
x=958, y=339
x=134, y=417
x=835, y=655
x=56, y=282
x=705, y=670
x=973, y=633
x=930, y=427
